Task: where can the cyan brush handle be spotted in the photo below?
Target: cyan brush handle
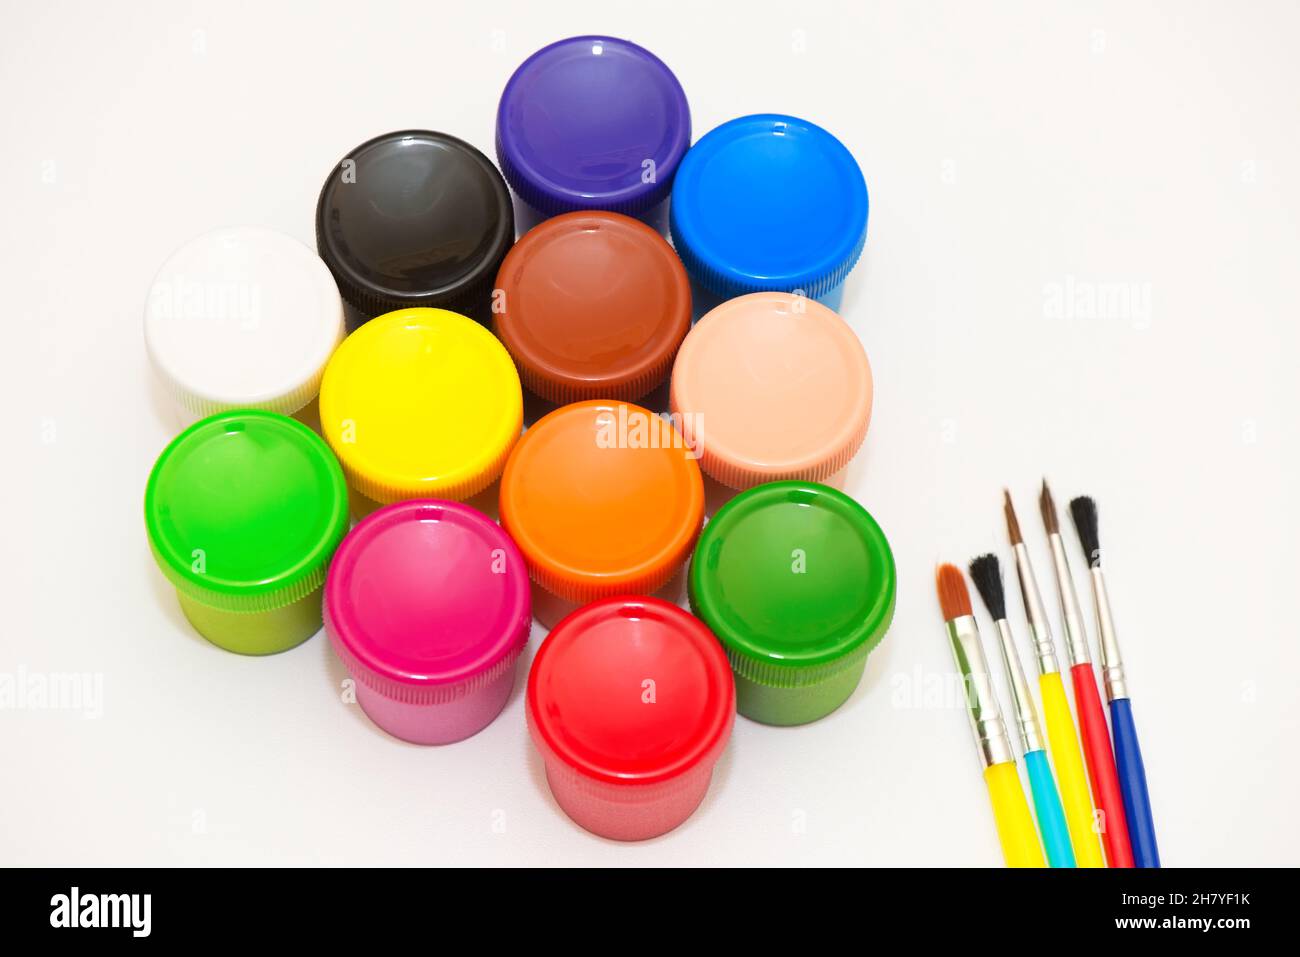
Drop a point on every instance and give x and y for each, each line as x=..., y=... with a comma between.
x=1133, y=784
x=1047, y=807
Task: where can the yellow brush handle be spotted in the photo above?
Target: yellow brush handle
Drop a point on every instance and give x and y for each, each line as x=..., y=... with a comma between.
x=1070, y=775
x=1015, y=827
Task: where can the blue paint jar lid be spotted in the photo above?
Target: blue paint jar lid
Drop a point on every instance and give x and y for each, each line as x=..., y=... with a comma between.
x=592, y=122
x=769, y=203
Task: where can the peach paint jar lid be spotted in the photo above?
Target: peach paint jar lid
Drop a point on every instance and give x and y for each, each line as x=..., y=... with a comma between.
x=602, y=498
x=772, y=386
x=592, y=305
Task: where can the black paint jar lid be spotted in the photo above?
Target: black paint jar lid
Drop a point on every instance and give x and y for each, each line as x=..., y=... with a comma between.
x=415, y=218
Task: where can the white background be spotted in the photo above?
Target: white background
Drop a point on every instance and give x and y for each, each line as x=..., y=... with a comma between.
x=1014, y=153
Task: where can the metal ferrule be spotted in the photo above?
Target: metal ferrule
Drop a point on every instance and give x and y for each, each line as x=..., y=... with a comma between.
x=1076, y=639
x=982, y=705
x=1112, y=666
x=1040, y=632
x=1027, y=722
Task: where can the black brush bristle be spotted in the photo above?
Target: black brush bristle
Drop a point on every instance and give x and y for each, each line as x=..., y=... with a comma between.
x=1084, y=512
x=986, y=573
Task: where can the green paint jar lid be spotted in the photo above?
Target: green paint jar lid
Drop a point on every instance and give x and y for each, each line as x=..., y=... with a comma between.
x=244, y=510
x=797, y=581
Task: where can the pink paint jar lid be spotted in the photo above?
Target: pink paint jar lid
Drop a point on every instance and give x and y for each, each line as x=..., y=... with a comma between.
x=631, y=690
x=772, y=386
x=426, y=599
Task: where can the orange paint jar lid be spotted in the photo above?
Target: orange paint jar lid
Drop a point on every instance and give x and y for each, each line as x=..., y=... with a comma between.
x=592, y=305
x=603, y=498
x=772, y=386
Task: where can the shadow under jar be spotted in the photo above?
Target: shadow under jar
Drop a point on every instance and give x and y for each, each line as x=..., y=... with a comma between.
x=414, y=218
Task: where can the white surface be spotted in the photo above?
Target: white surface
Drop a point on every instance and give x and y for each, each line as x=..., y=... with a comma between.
x=1019, y=157
x=243, y=316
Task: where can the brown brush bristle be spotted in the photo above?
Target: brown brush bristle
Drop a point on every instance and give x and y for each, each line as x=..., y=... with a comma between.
x=1013, y=526
x=1048, y=508
x=954, y=599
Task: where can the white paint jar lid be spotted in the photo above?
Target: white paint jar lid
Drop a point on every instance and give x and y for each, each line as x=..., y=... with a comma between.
x=243, y=317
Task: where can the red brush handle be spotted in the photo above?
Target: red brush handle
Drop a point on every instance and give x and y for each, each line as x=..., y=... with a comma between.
x=1101, y=766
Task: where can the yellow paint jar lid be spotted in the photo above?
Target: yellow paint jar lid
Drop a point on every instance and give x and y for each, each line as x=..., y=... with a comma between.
x=421, y=403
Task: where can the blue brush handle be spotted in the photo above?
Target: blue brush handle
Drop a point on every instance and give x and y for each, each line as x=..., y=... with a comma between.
x=1133, y=785
x=1047, y=807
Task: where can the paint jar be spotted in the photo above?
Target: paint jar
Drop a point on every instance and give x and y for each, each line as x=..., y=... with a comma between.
x=602, y=498
x=592, y=306
x=592, y=123
x=769, y=202
x=242, y=318
x=771, y=386
x=797, y=581
x=414, y=218
x=427, y=606
x=243, y=511
x=630, y=703
x=420, y=403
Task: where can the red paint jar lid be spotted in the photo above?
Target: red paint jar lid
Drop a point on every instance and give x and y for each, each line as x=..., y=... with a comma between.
x=592, y=305
x=631, y=690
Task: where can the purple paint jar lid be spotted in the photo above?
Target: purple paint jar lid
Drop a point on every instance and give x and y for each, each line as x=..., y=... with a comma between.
x=592, y=123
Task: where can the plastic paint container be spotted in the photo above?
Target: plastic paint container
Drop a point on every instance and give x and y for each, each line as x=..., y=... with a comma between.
x=769, y=202
x=414, y=218
x=630, y=703
x=797, y=581
x=420, y=403
x=603, y=499
x=592, y=306
x=242, y=318
x=243, y=511
x=771, y=386
x=427, y=605
x=592, y=123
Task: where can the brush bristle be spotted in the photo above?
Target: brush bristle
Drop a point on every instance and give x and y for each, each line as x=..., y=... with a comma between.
x=1013, y=525
x=1048, y=508
x=986, y=573
x=1084, y=511
x=954, y=599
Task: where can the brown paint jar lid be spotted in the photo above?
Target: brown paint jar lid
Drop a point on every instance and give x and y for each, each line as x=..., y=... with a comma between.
x=592, y=305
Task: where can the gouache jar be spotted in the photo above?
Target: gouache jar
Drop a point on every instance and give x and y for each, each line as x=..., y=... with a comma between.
x=592, y=306
x=427, y=606
x=414, y=218
x=602, y=498
x=592, y=123
x=769, y=202
x=243, y=511
x=771, y=386
x=797, y=581
x=420, y=403
x=630, y=703
x=242, y=318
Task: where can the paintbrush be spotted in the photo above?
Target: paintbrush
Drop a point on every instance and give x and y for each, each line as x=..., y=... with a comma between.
x=1106, y=796
x=1010, y=811
x=1128, y=756
x=986, y=573
x=1062, y=735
